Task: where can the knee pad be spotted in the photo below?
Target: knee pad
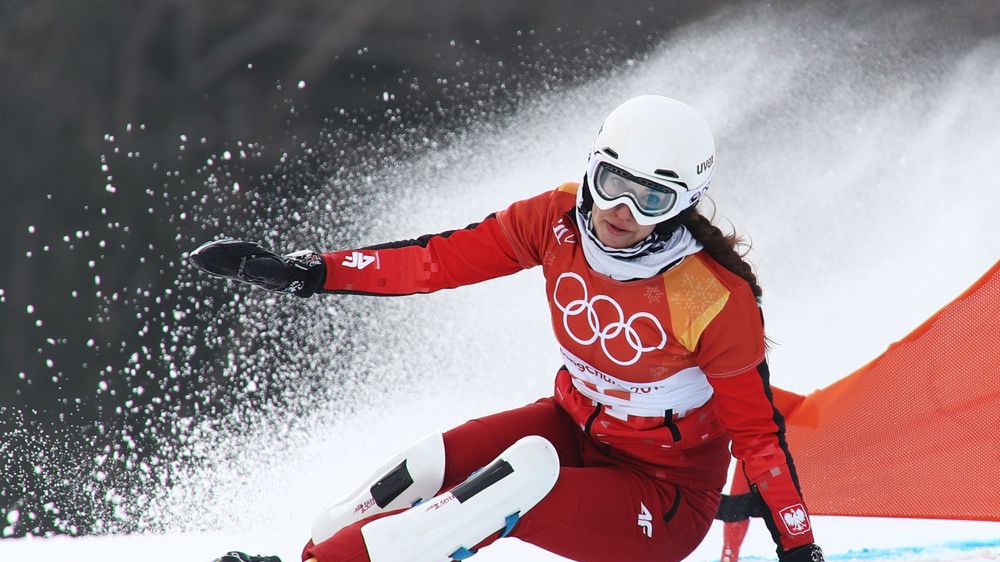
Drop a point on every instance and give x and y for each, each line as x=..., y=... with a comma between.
x=446, y=527
x=414, y=475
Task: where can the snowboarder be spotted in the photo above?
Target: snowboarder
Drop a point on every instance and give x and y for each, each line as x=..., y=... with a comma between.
x=658, y=322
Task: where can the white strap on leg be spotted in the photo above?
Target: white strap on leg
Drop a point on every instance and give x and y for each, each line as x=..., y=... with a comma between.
x=415, y=474
x=459, y=519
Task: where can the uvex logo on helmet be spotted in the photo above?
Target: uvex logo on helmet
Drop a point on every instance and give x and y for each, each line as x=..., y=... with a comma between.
x=704, y=166
x=586, y=321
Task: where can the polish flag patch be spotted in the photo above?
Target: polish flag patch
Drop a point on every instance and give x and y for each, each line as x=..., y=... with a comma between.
x=795, y=519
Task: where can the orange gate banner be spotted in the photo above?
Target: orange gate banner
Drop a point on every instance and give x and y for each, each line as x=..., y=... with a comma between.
x=914, y=433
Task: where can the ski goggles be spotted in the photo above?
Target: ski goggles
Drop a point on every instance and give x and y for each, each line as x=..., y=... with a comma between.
x=651, y=202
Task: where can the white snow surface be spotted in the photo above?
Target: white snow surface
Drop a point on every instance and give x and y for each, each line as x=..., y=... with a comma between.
x=870, y=184
x=844, y=540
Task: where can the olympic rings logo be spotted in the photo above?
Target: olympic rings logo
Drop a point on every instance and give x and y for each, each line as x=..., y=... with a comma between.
x=608, y=332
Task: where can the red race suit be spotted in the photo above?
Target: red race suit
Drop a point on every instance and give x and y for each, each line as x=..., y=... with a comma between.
x=659, y=375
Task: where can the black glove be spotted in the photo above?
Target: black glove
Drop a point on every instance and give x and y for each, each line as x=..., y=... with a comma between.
x=807, y=553
x=300, y=273
x=243, y=557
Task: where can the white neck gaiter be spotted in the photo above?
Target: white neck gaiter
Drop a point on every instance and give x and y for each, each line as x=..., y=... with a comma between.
x=647, y=258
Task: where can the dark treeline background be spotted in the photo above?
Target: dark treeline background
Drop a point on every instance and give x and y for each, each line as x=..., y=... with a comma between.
x=84, y=83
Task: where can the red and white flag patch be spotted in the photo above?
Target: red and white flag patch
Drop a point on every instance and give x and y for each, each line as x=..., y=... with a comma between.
x=795, y=519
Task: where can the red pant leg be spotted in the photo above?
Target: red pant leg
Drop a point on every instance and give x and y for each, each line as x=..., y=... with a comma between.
x=609, y=514
x=601, y=509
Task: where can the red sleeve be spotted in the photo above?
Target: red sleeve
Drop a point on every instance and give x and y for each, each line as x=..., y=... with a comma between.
x=504, y=243
x=747, y=412
x=731, y=353
x=451, y=259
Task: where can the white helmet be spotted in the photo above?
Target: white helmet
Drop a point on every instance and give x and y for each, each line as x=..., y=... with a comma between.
x=655, y=155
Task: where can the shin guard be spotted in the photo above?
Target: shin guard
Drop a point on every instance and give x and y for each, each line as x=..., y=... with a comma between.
x=414, y=475
x=449, y=525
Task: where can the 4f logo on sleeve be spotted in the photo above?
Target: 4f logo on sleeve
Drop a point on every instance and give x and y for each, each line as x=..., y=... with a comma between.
x=795, y=519
x=358, y=260
x=645, y=520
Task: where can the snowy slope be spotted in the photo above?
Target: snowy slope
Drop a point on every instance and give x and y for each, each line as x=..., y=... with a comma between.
x=865, y=171
x=843, y=544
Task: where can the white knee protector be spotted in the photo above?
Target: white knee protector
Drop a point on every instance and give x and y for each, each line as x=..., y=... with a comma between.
x=415, y=474
x=449, y=525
